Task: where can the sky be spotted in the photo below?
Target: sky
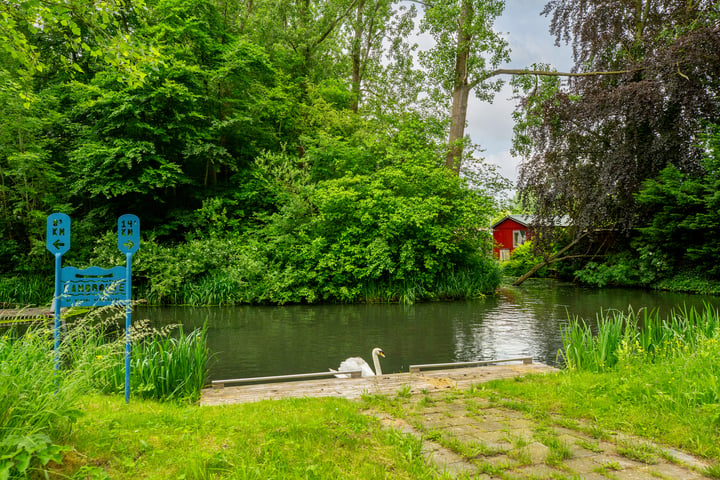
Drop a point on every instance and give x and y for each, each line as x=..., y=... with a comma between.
x=490, y=124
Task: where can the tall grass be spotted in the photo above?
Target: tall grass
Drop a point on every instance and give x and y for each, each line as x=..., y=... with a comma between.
x=39, y=402
x=643, y=335
x=173, y=367
x=25, y=291
x=582, y=350
x=34, y=397
x=457, y=285
x=164, y=366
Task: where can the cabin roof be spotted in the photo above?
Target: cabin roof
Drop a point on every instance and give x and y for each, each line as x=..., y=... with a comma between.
x=526, y=220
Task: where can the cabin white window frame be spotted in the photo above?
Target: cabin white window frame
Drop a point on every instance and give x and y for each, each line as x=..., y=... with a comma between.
x=519, y=237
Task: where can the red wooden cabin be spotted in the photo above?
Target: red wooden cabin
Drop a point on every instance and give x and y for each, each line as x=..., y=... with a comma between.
x=509, y=233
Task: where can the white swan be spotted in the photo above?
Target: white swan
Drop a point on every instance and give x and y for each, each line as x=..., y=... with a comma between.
x=357, y=363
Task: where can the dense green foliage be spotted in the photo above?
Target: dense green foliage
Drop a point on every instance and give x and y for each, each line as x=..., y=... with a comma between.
x=682, y=210
x=376, y=237
x=675, y=243
x=274, y=153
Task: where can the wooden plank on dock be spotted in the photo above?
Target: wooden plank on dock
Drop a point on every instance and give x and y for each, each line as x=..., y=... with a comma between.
x=478, y=363
x=287, y=378
x=24, y=316
x=353, y=388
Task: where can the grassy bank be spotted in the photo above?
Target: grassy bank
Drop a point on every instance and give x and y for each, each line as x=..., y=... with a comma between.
x=222, y=290
x=301, y=438
x=637, y=371
x=41, y=383
x=659, y=401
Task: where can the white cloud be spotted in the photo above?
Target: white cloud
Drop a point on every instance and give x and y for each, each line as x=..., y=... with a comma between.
x=505, y=161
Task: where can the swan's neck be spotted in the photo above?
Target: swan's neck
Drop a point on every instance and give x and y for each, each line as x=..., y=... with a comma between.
x=376, y=362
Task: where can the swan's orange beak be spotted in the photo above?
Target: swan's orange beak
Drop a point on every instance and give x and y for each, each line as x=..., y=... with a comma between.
x=381, y=353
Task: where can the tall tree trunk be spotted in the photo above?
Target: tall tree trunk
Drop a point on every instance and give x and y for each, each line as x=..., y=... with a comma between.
x=357, y=56
x=461, y=90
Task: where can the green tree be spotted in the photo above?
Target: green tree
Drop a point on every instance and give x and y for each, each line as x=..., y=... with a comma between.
x=30, y=182
x=198, y=118
x=682, y=211
x=644, y=85
x=44, y=36
x=466, y=51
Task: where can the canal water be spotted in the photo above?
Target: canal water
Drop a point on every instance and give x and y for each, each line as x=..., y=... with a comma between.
x=251, y=341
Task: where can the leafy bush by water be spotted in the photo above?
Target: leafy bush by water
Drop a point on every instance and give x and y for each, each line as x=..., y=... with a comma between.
x=402, y=233
x=522, y=259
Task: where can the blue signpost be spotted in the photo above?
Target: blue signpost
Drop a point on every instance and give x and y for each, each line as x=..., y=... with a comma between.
x=58, y=242
x=128, y=243
x=93, y=286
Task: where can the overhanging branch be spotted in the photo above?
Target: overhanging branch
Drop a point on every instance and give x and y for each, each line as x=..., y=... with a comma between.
x=548, y=73
x=552, y=259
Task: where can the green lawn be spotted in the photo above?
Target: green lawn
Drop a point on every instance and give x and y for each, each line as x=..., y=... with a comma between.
x=299, y=438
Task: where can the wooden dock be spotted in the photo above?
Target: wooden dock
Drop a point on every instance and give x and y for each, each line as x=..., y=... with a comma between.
x=24, y=316
x=413, y=382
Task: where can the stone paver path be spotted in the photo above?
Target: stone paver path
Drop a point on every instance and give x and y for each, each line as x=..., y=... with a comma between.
x=470, y=437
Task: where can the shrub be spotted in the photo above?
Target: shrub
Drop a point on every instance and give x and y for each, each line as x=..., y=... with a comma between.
x=522, y=259
x=404, y=227
x=619, y=270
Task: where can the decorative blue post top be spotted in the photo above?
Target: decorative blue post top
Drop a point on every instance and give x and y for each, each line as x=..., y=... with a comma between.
x=58, y=233
x=128, y=234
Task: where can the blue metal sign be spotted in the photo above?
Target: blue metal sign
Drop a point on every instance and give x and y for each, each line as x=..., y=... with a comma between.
x=58, y=233
x=128, y=243
x=93, y=286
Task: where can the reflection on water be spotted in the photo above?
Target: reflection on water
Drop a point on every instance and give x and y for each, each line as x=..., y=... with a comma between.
x=518, y=321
